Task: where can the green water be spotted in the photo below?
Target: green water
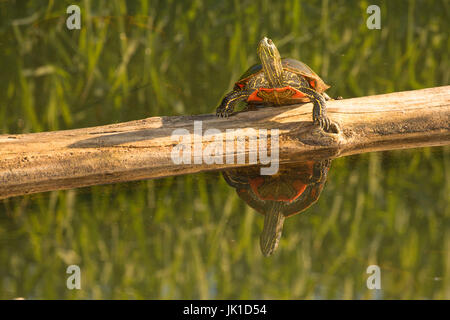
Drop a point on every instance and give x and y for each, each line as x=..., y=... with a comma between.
x=191, y=237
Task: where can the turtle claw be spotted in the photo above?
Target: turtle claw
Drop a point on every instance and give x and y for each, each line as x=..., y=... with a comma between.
x=323, y=122
x=223, y=112
x=327, y=125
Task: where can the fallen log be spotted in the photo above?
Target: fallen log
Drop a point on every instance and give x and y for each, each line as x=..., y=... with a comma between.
x=144, y=149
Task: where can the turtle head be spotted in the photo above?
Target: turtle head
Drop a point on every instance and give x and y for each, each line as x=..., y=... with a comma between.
x=271, y=62
x=273, y=227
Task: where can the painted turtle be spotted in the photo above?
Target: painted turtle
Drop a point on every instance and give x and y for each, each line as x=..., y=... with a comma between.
x=277, y=81
x=292, y=190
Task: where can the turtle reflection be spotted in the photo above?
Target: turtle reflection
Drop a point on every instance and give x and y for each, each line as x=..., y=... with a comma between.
x=292, y=190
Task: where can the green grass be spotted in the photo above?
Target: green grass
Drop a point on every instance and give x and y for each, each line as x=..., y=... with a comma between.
x=191, y=237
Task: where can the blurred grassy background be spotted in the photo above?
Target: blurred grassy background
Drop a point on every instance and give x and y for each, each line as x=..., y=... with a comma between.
x=191, y=237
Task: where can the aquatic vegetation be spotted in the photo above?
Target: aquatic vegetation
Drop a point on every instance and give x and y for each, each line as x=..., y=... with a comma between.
x=191, y=237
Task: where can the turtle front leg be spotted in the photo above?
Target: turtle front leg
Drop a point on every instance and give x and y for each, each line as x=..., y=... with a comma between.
x=228, y=103
x=319, y=105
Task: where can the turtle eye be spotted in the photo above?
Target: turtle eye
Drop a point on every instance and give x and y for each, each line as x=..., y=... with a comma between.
x=269, y=41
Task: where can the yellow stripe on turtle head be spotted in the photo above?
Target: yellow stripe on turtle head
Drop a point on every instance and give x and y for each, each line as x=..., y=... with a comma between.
x=271, y=62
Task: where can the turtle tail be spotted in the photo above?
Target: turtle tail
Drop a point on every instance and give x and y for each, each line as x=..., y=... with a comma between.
x=273, y=227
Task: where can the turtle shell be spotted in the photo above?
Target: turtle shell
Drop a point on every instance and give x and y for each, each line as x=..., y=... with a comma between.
x=291, y=65
x=295, y=187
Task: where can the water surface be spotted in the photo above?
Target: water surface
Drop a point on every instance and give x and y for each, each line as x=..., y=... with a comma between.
x=192, y=237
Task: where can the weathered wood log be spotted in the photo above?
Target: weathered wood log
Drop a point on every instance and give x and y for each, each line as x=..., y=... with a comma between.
x=142, y=149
